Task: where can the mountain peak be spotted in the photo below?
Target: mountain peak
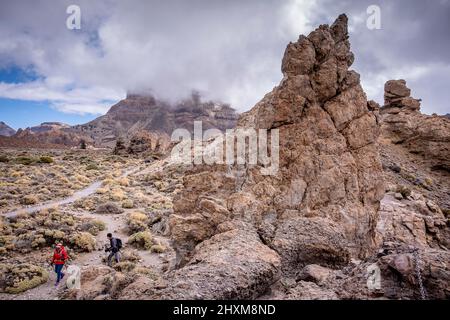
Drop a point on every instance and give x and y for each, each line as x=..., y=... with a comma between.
x=6, y=130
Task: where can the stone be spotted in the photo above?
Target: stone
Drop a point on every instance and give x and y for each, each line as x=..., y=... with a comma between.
x=314, y=273
x=398, y=196
x=109, y=208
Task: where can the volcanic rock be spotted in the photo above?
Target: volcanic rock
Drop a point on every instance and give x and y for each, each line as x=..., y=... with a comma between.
x=321, y=206
x=6, y=130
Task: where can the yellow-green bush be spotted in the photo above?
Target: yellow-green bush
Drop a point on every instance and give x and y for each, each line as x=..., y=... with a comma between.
x=92, y=166
x=128, y=204
x=30, y=199
x=158, y=248
x=45, y=159
x=19, y=278
x=137, y=221
x=141, y=240
x=83, y=241
x=124, y=266
x=124, y=182
x=24, y=160
x=117, y=195
x=404, y=190
x=146, y=272
x=93, y=226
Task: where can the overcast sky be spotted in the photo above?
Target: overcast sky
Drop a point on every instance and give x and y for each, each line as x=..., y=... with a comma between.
x=228, y=50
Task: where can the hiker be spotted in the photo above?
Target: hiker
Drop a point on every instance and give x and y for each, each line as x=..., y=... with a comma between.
x=59, y=259
x=115, y=246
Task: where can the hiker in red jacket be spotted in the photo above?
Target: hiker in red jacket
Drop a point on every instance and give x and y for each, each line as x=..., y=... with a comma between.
x=59, y=259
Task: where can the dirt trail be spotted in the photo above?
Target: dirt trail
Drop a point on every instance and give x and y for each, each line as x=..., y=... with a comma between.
x=83, y=193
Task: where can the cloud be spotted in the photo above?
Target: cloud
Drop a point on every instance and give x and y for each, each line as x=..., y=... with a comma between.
x=57, y=91
x=230, y=51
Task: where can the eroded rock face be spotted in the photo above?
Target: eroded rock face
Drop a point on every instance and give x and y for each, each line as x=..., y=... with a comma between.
x=403, y=124
x=321, y=206
x=398, y=95
x=412, y=221
x=230, y=265
x=148, y=142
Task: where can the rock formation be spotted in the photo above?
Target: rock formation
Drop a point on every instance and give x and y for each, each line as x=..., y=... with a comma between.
x=149, y=142
x=398, y=96
x=6, y=130
x=320, y=208
x=47, y=135
x=403, y=124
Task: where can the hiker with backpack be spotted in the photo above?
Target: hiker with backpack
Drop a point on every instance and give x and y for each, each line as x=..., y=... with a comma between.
x=60, y=257
x=115, y=246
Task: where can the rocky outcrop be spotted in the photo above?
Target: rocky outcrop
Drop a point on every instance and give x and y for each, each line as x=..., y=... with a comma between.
x=45, y=136
x=149, y=142
x=48, y=126
x=423, y=135
x=397, y=96
x=321, y=206
x=6, y=130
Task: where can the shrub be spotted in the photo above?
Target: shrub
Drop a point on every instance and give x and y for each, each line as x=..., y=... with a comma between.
x=4, y=158
x=45, y=159
x=39, y=241
x=146, y=272
x=19, y=278
x=141, y=239
x=83, y=241
x=117, y=195
x=404, y=190
x=24, y=160
x=127, y=204
x=130, y=255
x=137, y=222
x=92, y=166
x=124, y=182
x=53, y=235
x=101, y=190
x=108, y=208
x=158, y=248
x=124, y=266
x=29, y=200
x=93, y=226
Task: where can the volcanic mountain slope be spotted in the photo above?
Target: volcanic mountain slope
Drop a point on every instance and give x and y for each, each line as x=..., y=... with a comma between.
x=131, y=119
x=145, y=113
x=46, y=135
x=6, y=130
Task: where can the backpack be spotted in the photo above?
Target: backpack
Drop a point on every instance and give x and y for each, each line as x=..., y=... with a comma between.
x=119, y=243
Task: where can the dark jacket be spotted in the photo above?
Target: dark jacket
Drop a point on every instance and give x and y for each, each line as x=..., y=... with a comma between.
x=113, y=245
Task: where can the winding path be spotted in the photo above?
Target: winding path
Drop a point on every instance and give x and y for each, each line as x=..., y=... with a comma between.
x=83, y=193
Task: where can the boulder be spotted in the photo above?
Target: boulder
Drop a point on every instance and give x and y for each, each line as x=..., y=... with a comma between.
x=109, y=208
